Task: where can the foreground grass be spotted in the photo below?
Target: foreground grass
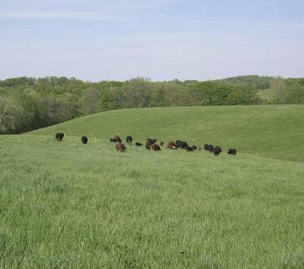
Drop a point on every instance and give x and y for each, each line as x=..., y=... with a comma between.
x=65, y=205
x=271, y=131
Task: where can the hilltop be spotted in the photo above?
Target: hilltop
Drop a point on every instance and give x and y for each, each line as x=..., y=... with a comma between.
x=273, y=131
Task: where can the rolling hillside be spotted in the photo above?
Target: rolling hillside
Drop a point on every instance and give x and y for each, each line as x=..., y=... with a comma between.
x=271, y=131
x=68, y=205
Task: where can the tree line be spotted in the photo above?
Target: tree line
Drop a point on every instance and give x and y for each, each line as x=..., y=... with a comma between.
x=32, y=103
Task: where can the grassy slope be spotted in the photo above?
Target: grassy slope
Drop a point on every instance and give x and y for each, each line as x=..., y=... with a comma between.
x=271, y=131
x=65, y=205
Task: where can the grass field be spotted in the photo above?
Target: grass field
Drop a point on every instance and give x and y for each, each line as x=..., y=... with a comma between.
x=67, y=205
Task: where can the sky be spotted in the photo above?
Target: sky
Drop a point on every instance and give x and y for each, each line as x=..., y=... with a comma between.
x=96, y=40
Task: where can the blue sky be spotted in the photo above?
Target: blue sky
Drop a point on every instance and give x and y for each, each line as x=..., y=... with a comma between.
x=162, y=40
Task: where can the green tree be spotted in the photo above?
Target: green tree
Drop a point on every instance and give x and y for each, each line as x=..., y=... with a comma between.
x=88, y=102
x=138, y=92
x=10, y=115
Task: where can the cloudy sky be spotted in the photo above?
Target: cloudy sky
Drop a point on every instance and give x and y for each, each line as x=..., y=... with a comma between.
x=159, y=39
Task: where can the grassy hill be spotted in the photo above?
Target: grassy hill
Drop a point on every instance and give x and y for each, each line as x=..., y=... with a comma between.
x=271, y=131
x=68, y=205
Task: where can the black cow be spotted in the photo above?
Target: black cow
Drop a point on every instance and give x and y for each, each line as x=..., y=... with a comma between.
x=231, y=151
x=181, y=144
x=162, y=143
x=217, y=150
x=209, y=148
x=189, y=148
x=194, y=147
x=129, y=140
x=150, y=142
x=137, y=144
x=59, y=136
x=84, y=140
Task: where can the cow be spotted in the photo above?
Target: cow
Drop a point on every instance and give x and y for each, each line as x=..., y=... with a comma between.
x=181, y=144
x=59, y=136
x=129, y=140
x=155, y=147
x=120, y=147
x=116, y=139
x=137, y=144
x=231, y=151
x=209, y=148
x=161, y=143
x=171, y=145
x=84, y=140
x=217, y=150
x=150, y=142
x=194, y=147
x=189, y=148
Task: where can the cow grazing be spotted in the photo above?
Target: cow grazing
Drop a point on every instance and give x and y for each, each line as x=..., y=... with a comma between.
x=59, y=136
x=137, y=144
x=150, y=142
x=194, y=147
x=231, y=151
x=155, y=147
x=181, y=144
x=84, y=140
x=129, y=140
x=217, y=150
x=161, y=143
x=171, y=145
x=118, y=140
x=189, y=148
x=120, y=147
x=209, y=148
x=115, y=139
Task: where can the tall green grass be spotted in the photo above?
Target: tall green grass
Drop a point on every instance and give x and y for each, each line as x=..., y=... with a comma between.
x=67, y=205
x=270, y=131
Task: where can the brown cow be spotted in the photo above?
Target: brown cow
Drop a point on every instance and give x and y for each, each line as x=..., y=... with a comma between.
x=171, y=145
x=120, y=147
x=115, y=139
x=155, y=147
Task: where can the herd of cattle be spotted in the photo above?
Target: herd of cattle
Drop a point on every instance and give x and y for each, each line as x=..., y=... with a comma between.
x=151, y=144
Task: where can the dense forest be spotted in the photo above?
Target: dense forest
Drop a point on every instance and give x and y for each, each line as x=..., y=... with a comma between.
x=31, y=103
